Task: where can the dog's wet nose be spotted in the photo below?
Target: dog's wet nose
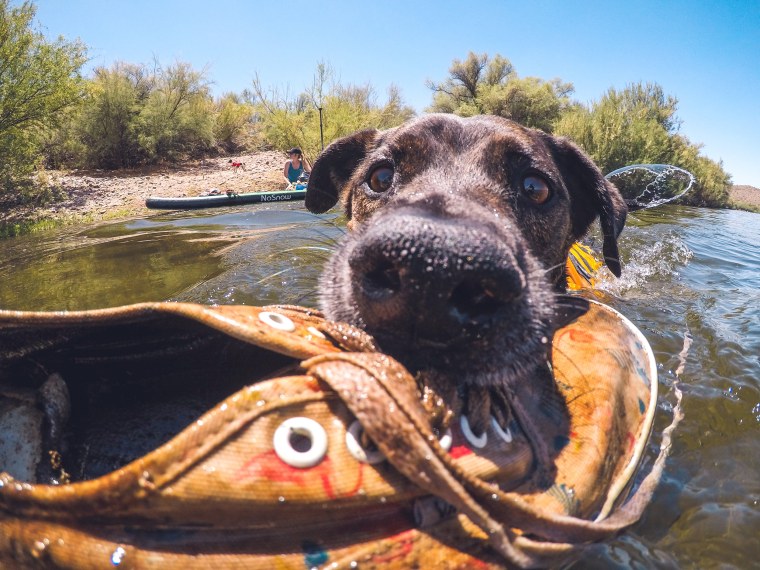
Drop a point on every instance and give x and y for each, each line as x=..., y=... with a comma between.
x=437, y=279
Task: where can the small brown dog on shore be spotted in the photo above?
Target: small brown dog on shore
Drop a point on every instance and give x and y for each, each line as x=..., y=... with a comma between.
x=456, y=258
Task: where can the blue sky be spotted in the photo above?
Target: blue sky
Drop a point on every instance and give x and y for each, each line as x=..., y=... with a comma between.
x=704, y=52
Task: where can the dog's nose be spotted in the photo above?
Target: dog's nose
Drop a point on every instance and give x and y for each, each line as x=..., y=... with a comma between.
x=440, y=280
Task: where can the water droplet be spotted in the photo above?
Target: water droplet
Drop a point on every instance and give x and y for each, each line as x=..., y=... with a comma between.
x=118, y=556
x=281, y=499
x=354, y=564
x=223, y=407
x=495, y=497
x=544, y=340
x=261, y=403
x=383, y=499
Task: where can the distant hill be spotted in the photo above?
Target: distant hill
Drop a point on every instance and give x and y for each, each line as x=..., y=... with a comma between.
x=745, y=196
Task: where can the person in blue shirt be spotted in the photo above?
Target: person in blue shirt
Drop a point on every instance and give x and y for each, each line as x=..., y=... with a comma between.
x=295, y=167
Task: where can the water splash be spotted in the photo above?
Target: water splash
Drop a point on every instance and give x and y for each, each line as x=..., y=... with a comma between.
x=649, y=185
x=648, y=263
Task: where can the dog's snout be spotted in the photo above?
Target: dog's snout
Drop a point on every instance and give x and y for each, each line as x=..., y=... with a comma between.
x=440, y=280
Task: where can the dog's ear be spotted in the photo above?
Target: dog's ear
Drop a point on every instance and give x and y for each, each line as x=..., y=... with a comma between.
x=333, y=169
x=591, y=195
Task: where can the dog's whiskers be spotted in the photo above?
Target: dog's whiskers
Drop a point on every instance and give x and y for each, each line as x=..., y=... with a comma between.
x=273, y=275
x=554, y=267
x=306, y=247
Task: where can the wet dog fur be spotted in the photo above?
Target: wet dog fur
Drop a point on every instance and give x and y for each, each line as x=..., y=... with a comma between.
x=460, y=229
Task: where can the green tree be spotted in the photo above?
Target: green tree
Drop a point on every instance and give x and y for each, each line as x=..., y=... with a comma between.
x=481, y=85
x=39, y=80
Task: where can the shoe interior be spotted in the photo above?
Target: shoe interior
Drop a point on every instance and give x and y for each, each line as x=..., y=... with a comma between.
x=79, y=402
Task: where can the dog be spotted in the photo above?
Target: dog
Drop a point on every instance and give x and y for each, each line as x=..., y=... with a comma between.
x=459, y=230
x=236, y=165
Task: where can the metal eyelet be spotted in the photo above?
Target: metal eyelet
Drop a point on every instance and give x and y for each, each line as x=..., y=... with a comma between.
x=506, y=435
x=475, y=441
x=277, y=321
x=446, y=440
x=307, y=428
x=355, y=448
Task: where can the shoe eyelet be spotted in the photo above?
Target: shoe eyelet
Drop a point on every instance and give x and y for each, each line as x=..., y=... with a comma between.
x=506, y=435
x=277, y=321
x=475, y=441
x=314, y=450
x=446, y=440
x=355, y=448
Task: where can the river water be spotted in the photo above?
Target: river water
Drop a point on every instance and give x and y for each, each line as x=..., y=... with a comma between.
x=691, y=283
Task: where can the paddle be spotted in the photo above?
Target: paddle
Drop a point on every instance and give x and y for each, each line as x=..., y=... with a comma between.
x=650, y=185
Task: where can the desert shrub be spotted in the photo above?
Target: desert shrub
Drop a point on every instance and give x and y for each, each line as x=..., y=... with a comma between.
x=482, y=85
x=176, y=120
x=712, y=184
x=639, y=125
x=619, y=129
x=137, y=115
x=233, y=127
x=107, y=124
x=287, y=121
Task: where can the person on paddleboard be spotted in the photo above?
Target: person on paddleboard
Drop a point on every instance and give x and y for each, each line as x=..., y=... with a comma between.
x=295, y=167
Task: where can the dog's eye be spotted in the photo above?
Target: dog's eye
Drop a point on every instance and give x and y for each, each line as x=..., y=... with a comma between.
x=381, y=179
x=536, y=189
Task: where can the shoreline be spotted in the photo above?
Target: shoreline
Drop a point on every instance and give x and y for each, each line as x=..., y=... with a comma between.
x=93, y=196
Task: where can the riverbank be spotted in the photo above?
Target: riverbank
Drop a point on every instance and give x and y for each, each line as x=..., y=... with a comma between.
x=92, y=196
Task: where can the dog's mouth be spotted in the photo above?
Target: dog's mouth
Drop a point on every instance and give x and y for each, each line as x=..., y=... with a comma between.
x=507, y=349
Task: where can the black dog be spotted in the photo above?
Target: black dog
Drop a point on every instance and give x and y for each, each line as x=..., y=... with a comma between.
x=461, y=229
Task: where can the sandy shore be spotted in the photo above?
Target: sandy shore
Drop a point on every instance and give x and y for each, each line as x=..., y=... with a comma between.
x=98, y=195
x=95, y=195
